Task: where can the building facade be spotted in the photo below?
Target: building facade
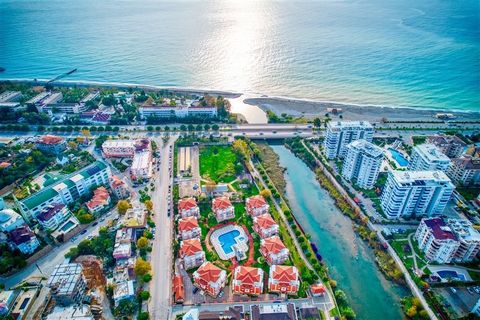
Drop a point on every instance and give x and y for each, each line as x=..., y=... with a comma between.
x=465, y=171
x=436, y=240
x=51, y=217
x=223, y=209
x=428, y=157
x=362, y=163
x=67, y=284
x=273, y=250
x=210, y=278
x=188, y=228
x=187, y=207
x=51, y=144
x=341, y=133
x=247, y=280
x=283, y=279
x=265, y=226
x=192, y=253
x=451, y=146
x=257, y=205
x=141, y=168
x=416, y=193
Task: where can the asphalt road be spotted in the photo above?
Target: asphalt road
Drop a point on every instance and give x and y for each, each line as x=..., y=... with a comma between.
x=161, y=257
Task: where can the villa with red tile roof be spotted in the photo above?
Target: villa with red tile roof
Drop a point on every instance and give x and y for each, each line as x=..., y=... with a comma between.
x=223, y=209
x=257, y=205
x=283, y=279
x=265, y=226
x=273, y=250
x=187, y=207
x=210, y=278
x=192, y=253
x=100, y=200
x=188, y=228
x=178, y=289
x=247, y=280
x=317, y=290
x=51, y=144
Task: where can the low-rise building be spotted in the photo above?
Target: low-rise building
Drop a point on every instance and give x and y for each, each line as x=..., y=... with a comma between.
x=178, y=289
x=317, y=290
x=125, y=235
x=118, y=148
x=53, y=216
x=416, y=193
x=265, y=226
x=44, y=100
x=283, y=279
x=266, y=311
x=135, y=217
x=210, y=278
x=10, y=96
x=187, y=207
x=77, y=312
x=451, y=146
x=465, y=171
x=10, y=220
x=123, y=291
x=179, y=111
x=257, y=205
x=122, y=251
x=188, y=228
x=362, y=163
x=428, y=157
x=67, y=284
x=51, y=144
x=273, y=250
x=99, y=201
x=23, y=239
x=192, y=253
x=247, y=280
x=141, y=168
x=468, y=237
x=223, y=209
x=119, y=188
x=23, y=303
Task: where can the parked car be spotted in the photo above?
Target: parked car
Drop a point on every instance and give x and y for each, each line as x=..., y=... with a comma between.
x=195, y=290
x=84, y=231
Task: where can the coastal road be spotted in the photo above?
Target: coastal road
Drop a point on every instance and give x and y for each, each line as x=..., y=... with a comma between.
x=161, y=257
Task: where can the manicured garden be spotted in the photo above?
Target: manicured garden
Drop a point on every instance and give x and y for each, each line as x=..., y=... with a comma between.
x=218, y=163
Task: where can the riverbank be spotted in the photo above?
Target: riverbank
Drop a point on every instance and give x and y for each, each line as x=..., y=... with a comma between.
x=371, y=113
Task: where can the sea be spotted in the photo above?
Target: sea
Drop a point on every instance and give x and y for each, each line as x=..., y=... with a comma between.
x=416, y=53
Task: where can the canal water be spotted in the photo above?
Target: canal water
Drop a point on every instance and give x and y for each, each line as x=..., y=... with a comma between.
x=349, y=259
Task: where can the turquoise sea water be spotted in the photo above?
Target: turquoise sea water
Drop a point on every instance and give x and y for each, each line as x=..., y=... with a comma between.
x=348, y=258
x=409, y=53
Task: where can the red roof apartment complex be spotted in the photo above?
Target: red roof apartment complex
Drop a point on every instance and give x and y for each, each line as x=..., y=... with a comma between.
x=210, y=278
x=188, y=228
x=257, y=205
x=187, y=207
x=247, y=280
x=100, y=200
x=265, y=226
x=273, y=250
x=192, y=253
x=283, y=279
x=223, y=209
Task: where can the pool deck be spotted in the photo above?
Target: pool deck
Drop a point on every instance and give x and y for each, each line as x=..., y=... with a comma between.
x=225, y=229
x=458, y=270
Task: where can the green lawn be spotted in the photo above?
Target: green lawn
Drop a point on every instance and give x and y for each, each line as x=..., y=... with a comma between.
x=218, y=163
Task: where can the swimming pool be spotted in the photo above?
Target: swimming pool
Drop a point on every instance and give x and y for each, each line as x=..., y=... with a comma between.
x=67, y=226
x=229, y=241
x=398, y=157
x=450, y=274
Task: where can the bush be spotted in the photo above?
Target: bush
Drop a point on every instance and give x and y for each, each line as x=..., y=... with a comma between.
x=147, y=277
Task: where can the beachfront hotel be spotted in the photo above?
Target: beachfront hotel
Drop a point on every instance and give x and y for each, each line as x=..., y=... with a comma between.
x=416, y=193
x=428, y=157
x=341, y=133
x=453, y=240
x=362, y=163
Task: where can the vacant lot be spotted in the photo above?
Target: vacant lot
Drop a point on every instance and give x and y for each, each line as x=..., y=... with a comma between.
x=218, y=163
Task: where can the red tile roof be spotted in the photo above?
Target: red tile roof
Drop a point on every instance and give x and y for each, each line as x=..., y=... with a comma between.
x=273, y=245
x=247, y=277
x=49, y=139
x=255, y=202
x=264, y=221
x=317, y=289
x=221, y=203
x=186, y=204
x=116, y=182
x=178, y=288
x=4, y=165
x=284, y=274
x=208, y=272
x=187, y=224
x=190, y=247
x=100, y=197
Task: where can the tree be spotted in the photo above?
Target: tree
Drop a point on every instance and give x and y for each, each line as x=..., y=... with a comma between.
x=412, y=311
x=266, y=193
x=72, y=145
x=147, y=277
x=125, y=308
x=142, y=267
x=183, y=127
x=241, y=147
x=123, y=206
x=215, y=127
x=207, y=127
x=317, y=122
x=144, y=295
x=143, y=316
x=149, y=205
x=142, y=242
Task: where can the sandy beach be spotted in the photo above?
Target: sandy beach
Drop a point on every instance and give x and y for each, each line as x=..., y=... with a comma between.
x=310, y=109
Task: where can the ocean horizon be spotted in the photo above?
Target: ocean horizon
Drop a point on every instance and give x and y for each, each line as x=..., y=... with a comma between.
x=365, y=53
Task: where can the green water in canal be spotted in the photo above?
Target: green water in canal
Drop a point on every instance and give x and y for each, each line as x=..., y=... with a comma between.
x=350, y=260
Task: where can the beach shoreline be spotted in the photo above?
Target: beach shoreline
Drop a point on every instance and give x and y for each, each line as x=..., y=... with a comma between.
x=284, y=105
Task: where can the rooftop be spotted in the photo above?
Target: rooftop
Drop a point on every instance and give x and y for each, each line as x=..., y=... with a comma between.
x=273, y=244
x=340, y=125
x=208, y=272
x=187, y=224
x=431, y=152
x=65, y=277
x=50, y=211
x=256, y=202
x=367, y=148
x=221, y=203
x=49, y=139
x=414, y=177
x=190, y=247
x=186, y=203
x=264, y=221
x=464, y=229
x=440, y=229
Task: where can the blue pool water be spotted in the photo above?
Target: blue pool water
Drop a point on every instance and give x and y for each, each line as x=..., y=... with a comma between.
x=445, y=274
x=398, y=157
x=227, y=240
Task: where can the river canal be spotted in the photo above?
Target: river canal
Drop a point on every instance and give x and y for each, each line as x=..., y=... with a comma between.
x=349, y=259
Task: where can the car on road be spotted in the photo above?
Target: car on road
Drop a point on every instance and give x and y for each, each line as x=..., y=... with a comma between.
x=83, y=231
x=261, y=133
x=95, y=223
x=195, y=290
x=90, y=237
x=102, y=219
x=73, y=239
x=274, y=131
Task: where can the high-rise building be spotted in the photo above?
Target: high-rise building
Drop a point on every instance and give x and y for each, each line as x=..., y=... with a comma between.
x=451, y=146
x=446, y=241
x=465, y=171
x=362, y=163
x=67, y=284
x=341, y=133
x=416, y=193
x=428, y=157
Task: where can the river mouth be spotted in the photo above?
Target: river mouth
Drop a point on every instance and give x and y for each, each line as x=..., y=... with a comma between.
x=350, y=261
